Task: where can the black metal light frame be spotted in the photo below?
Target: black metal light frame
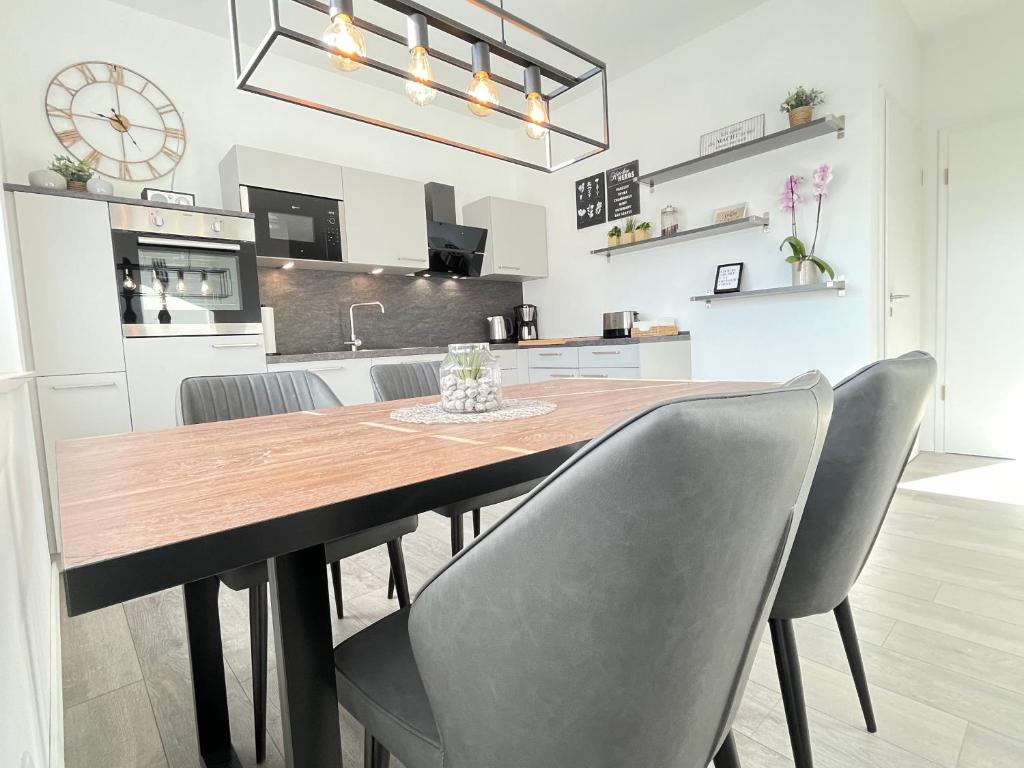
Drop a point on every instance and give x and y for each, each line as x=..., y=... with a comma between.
x=566, y=81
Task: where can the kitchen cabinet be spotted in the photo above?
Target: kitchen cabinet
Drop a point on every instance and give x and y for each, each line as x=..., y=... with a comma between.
x=67, y=266
x=70, y=407
x=348, y=379
x=554, y=357
x=609, y=372
x=660, y=360
x=618, y=356
x=385, y=221
x=546, y=374
x=517, y=237
x=157, y=366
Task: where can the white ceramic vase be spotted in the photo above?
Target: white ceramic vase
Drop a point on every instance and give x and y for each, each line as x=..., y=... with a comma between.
x=44, y=178
x=805, y=273
x=99, y=186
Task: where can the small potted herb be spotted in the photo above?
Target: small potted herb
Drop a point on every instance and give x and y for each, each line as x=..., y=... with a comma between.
x=629, y=230
x=800, y=105
x=76, y=172
x=614, y=235
x=642, y=231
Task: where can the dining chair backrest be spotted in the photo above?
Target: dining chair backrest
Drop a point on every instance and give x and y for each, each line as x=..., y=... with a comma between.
x=877, y=414
x=611, y=618
x=203, y=399
x=398, y=381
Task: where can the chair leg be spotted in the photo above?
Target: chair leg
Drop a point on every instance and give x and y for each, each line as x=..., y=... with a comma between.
x=374, y=754
x=336, y=583
x=258, y=616
x=391, y=584
x=476, y=523
x=398, y=569
x=788, y=663
x=728, y=756
x=457, y=540
x=847, y=630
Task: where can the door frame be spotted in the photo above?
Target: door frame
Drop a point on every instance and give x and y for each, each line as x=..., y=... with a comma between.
x=941, y=288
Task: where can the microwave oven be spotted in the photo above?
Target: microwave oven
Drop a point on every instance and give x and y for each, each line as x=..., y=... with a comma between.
x=295, y=228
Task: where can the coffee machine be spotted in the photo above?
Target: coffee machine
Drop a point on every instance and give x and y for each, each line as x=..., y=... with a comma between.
x=526, y=322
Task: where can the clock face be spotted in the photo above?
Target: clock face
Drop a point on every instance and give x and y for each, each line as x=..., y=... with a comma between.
x=116, y=120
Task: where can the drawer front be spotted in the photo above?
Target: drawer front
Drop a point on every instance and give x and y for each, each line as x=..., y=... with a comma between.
x=555, y=357
x=349, y=380
x=610, y=356
x=547, y=374
x=506, y=358
x=609, y=373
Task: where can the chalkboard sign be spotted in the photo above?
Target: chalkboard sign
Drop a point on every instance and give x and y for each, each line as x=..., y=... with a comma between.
x=623, y=191
x=590, y=201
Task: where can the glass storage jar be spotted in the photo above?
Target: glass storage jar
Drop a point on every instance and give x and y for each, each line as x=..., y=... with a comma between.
x=470, y=379
x=669, y=220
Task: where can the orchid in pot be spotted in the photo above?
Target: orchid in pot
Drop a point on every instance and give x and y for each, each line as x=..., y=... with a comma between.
x=807, y=267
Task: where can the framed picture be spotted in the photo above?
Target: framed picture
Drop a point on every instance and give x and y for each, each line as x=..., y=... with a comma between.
x=727, y=278
x=732, y=213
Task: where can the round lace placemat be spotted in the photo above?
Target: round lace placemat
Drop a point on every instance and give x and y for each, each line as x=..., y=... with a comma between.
x=510, y=410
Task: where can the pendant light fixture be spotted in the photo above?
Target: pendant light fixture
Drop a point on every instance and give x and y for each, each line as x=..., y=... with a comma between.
x=532, y=76
x=344, y=37
x=536, y=109
x=482, y=90
x=419, y=62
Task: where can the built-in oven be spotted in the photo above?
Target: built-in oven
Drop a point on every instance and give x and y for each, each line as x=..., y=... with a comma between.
x=291, y=227
x=184, y=273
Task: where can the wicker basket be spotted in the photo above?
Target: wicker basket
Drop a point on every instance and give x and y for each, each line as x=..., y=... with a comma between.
x=656, y=330
x=800, y=116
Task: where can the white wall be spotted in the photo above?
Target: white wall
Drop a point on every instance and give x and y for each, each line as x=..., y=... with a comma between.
x=194, y=69
x=972, y=74
x=658, y=114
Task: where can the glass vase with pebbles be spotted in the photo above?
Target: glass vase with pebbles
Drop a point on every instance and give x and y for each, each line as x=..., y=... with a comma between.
x=470, y=379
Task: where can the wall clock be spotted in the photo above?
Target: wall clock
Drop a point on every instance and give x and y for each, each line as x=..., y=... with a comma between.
x=116, y=120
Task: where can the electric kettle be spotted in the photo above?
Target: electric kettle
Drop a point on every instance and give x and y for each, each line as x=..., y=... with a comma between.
x=500, y=329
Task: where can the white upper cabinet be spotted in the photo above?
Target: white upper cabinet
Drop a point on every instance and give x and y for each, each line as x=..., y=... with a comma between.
x=67, y=263
x=517, y=237
x=385, y=221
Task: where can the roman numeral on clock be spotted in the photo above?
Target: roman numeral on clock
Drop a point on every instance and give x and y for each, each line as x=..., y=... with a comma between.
x=69, y=137
x=93, y=158
x=171, y=154
x=86, y=73
x=124, y=171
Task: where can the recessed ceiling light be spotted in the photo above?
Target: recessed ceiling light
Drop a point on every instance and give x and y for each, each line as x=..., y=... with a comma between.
x=288, y=265
x=376, y=271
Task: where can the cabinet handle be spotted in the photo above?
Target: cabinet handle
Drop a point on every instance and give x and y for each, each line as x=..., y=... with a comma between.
x=240, y=345
x=510, y=266
x=327, y=368
x=414, y=261
x=612, y=352
x=92, y=385
x=549, y=354
x=594, y=375
x=563, y=375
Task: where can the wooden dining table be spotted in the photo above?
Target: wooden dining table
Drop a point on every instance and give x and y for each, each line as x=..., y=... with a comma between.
x=148, y=511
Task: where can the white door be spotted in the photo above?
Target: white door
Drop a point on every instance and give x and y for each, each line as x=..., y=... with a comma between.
x=984, y=357
x=902, y=232
x=71, y=407
x=67, y=261
x=157, y=366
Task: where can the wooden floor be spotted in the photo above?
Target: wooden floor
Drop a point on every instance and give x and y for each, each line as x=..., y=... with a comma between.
x=939, y=608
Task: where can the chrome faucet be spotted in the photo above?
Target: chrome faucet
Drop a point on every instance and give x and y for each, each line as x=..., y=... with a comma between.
x=354, y=342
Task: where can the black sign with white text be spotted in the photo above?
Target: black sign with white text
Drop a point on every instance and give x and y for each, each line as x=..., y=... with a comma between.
x=623, y=191
x=590, y=201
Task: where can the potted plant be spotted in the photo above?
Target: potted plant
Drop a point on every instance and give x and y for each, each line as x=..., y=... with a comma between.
x=800, y=105
x=614, y=234
x=76, y=172
x=629, y=230
x=642, y=231
x=807, y=267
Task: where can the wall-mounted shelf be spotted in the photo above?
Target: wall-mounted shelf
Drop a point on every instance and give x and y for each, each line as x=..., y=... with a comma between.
x=812, y=130
x=750, y=222
x=839, y=286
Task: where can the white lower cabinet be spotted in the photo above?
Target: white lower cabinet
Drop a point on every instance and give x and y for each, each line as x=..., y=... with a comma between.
x=84, y=405
x=348, y=379
x=664, y=360
x=546, y=374
x=609, y=373
x=157, y=366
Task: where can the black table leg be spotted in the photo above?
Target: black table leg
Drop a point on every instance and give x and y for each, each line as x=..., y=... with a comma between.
x=305, y=664
x=209, y=691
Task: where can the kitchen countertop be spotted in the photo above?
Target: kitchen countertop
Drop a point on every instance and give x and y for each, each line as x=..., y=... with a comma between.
x=312, y=357
x=124, y=200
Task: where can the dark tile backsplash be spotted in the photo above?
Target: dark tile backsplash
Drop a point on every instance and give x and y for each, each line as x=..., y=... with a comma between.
x=311, y=309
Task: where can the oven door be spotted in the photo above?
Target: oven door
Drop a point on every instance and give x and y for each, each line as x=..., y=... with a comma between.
x=181, y=286
x=292, y=226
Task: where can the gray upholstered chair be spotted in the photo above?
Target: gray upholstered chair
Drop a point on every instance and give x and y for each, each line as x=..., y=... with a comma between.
x=222, y=398
x=878, y=411
x=398, y=381
x=504, y=661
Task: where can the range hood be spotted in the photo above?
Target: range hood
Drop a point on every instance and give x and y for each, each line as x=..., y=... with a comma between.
x=453, y=249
